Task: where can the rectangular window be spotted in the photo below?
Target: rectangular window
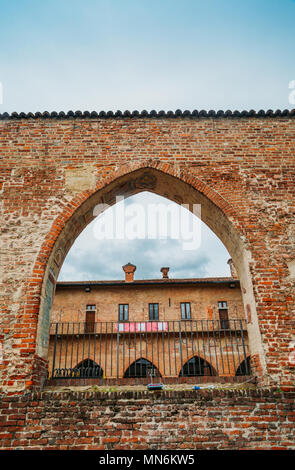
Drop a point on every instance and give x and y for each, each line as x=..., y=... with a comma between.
x=153, y=311
x=223, y=315
x=123, y=312
x=90, y=318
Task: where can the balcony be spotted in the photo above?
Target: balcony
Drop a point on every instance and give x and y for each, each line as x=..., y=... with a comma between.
x=166, y=349
x=97, y=328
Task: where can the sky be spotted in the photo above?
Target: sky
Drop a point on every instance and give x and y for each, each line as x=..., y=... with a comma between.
x=62, y=55
x=184, y=244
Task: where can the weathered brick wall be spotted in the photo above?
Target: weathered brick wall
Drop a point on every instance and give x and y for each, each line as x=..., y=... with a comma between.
x=241, y=169
x=246, y=419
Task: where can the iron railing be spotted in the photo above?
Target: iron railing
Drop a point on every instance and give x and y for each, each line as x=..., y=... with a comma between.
x=176, y=348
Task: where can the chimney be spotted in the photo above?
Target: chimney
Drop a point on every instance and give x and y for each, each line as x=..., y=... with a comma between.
x=129, y=270
x=164, y=271
x=233, y=271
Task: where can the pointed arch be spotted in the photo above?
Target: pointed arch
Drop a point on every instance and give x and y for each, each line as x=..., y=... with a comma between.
x=87, y=369
x=127, y=180
x=178, y=185
x=244, y=367
x=197, y=366
x=141, y=368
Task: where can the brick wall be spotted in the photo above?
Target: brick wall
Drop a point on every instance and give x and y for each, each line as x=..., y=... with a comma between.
x=214, y=419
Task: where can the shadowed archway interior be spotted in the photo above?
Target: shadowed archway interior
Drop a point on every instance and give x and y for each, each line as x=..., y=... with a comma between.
x=244, y=368
x=142, y=368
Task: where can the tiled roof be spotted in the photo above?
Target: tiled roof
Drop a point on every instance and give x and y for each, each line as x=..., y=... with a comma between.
x=144, y=114
x=202, y=280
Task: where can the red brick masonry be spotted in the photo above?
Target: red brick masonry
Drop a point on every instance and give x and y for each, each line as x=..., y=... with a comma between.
x=56, y=168
x=207, y=419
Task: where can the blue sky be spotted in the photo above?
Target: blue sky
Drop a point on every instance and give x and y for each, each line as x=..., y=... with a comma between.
x=204, y=255
x=146, y=54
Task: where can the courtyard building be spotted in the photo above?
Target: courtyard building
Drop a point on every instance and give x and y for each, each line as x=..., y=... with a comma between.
x=164, y=327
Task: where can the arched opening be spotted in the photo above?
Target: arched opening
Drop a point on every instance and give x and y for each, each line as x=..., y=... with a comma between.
x=155, y=231
x=244, y=367
x=197, y=366
x=141, y=368
x=215, y=212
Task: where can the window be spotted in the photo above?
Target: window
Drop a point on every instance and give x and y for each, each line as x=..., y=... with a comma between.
x=185, y=308
x=153, y=311
x=222, y=304
x=142, y=368
x=223, y=315
x=197, y=366
x=123, y=312
x=90, y=318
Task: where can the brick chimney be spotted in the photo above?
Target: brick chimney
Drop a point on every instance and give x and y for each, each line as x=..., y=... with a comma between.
x=129, y=270
x=164, y=272
x=233, y=271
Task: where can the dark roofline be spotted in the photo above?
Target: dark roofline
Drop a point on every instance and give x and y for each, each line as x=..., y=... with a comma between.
x=145, y=114
x=145, y=282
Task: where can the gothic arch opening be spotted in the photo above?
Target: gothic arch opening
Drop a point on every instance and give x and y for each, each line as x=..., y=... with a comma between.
x=141, y=368
x=84, y=369
x=244, y=367
x=180, y=188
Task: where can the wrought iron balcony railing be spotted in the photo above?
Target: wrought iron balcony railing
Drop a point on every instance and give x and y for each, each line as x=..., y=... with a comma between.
x=136, y=349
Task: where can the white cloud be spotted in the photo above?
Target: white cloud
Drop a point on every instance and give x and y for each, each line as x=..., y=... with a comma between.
x=92, y=259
